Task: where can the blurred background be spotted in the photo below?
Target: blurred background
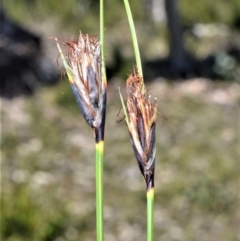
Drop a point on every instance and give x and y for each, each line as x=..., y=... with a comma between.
x=191, y=59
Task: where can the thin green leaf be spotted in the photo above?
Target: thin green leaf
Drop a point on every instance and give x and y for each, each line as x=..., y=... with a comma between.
x=124, y=107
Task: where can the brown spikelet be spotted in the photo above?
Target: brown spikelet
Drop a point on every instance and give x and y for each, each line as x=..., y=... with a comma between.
x=141, y=122
x=83, y=64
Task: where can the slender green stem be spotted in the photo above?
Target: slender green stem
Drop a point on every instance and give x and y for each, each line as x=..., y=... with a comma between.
x=134, y=37
x=99, y=191
x=102, y=39
x=100, y=144
x=150, y=214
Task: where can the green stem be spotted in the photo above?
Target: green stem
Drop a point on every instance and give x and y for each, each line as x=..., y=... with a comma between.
x=102, y=39
x=99, y=191
x=134, y=37
x=100, y=144
x=150, y=214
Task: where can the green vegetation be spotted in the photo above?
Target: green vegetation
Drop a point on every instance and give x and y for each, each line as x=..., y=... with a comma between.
x=205, y=11
x=86, y=11
x=65, y=18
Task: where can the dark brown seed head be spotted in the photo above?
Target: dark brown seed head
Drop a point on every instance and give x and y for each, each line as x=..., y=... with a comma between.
x=141, y=122
x=84, y=62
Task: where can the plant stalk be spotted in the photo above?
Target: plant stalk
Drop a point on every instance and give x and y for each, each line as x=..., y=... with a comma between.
x=99, y=190
x=150, y=214
x=100, y=143
x=134, y=37
x=102, y=40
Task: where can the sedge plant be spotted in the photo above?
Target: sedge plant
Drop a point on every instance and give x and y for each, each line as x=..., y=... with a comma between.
x=84, y=64
x=140, y=117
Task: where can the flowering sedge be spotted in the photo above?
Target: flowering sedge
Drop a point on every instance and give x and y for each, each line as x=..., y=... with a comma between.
x=83, y=65
x=140, y=117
